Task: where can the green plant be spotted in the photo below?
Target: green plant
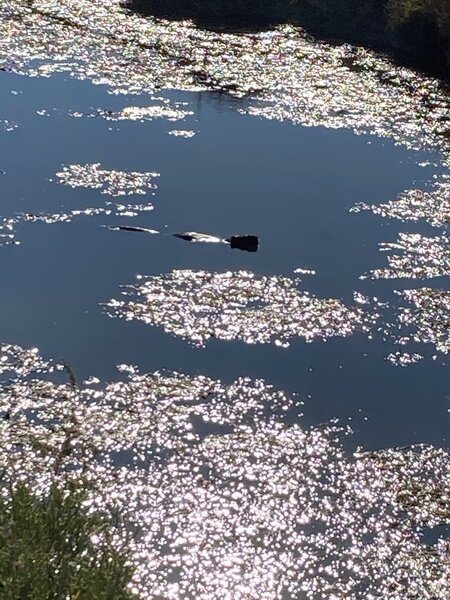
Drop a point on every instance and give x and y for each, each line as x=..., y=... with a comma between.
x=51, y=548
x=401, y=11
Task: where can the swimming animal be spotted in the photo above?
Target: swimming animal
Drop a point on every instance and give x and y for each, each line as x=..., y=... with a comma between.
x=249, y=243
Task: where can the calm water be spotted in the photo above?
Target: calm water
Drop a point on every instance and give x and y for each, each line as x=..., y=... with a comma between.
x=292, y=186
x=232, y=491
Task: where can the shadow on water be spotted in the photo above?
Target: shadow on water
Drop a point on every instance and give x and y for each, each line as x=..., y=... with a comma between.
x=417, y=42
x=216, y=16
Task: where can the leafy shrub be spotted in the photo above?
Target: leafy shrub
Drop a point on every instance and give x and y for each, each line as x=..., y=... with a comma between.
x=416, y=31
x=401, y=11
x=51, y=548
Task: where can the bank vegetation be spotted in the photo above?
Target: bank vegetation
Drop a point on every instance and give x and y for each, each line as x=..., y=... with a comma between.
x=416, y=32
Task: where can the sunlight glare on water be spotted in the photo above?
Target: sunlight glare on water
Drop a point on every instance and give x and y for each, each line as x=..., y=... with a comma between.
x=223, y=496
x=223, y=490
x=236, y=305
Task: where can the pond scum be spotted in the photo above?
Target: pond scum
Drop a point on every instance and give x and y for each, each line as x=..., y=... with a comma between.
x=218, y=495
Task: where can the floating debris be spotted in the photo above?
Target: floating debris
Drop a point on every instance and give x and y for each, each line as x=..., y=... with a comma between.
x=193, y=236
x=222, y=492
x=114, y=183
x=236, y=306
x=133, y=228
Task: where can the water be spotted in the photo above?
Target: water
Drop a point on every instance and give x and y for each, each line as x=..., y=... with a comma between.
x=291, y=186
x=144, y=440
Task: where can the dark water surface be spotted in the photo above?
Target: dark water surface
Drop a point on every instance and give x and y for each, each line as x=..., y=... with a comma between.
x=290, y=185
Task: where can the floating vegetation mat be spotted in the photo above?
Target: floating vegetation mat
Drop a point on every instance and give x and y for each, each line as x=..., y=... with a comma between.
x=114, y=183
x=111, y=183
x=147, y=113
x=222, y=491
x=199, y=305
x=184, y=133
x=165, y=110
x=293, y=76
x=415, y=256
x=432, y=206
x=429, y=317
x=422, y=319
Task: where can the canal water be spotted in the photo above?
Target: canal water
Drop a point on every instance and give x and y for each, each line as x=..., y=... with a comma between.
x=292, y=186
x=273, y=423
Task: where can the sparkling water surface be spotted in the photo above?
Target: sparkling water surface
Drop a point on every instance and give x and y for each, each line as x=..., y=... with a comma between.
x=237, y=457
